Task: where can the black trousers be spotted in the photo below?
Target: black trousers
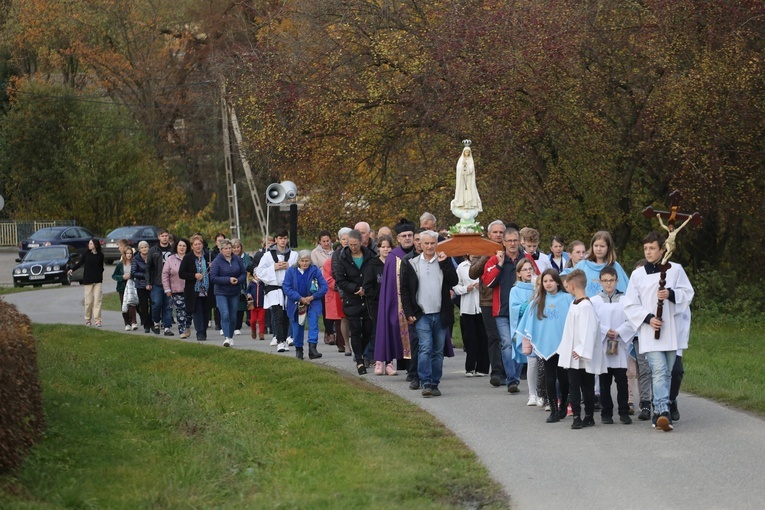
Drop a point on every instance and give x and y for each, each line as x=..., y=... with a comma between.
x=494, y=343
x=476, y=343
x=553, y=374
x=281, y=323
x=414, y=347
x=677, y=378
x=329, y=324
x=581, y=384
x=622, y=392
x=361, y=329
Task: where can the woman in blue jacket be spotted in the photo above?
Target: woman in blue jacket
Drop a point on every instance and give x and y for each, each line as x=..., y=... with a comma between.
x=304, y=286
x=227, y=272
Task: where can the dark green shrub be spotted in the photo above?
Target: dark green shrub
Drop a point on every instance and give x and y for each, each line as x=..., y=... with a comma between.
x=739, y=294
x=21, y=412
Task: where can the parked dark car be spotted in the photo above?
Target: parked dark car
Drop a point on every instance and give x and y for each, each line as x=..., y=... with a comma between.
x=77, y=237
x=134, y=235
x=47, y=264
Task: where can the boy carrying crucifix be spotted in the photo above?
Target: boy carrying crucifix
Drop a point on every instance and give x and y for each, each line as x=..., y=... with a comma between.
x=640, y=305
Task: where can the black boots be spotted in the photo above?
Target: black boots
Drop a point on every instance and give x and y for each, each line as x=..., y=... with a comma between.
x=562, y=410
x=553, y=418
x=674, y=413
x=313, y=353
x=645, y=411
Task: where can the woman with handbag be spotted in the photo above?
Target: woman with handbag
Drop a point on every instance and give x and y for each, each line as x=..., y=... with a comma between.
x=128, y=296
x=304, y=286
x=139, y=273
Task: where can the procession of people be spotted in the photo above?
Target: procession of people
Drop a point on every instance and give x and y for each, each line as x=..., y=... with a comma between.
x=569, y=322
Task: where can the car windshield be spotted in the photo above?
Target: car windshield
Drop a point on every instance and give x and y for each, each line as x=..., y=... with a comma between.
x=48, y=253
x=123, y=232
x=45, y=234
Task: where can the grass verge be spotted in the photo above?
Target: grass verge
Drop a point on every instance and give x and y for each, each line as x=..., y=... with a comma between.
x=147, y=423
x=724, y=361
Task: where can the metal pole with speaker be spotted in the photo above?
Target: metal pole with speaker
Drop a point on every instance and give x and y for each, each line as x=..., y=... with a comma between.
x=276, y=194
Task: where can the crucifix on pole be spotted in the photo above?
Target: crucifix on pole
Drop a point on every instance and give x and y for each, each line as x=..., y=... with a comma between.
x=669, y=244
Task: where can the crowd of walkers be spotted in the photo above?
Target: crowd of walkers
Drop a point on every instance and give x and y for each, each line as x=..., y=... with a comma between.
x=570, y=322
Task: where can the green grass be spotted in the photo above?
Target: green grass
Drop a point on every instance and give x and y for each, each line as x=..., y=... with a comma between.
x=724, y=361
x=111, y=301
x=147, y=423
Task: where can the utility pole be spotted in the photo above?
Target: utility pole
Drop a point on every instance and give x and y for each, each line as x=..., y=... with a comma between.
x=248, y=174
x=230, y=189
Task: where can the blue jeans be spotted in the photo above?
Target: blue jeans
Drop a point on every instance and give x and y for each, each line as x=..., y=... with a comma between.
x=312, y=320
x=160, y=307
x=227, y=306
x=430, y=358
x=661, y=363
x=512, y=367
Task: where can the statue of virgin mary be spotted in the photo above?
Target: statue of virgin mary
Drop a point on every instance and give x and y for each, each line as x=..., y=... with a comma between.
x=466, y=204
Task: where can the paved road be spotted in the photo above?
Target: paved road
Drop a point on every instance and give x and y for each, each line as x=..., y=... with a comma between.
x=715, y=458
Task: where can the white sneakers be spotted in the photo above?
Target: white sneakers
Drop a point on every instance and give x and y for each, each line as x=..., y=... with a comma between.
x=221, y=332
x=281, y=347
x=541, y=402
x=237, y=332
x=532, y=401
x=289, y=341
x=274, y=341
x=134, y=326
x=127, y=328
x=228, y=342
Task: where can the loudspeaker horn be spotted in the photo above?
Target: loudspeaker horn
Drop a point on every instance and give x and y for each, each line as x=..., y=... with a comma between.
x=277, y=193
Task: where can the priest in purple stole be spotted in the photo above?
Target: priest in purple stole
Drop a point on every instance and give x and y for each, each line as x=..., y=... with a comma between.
x=392, y=334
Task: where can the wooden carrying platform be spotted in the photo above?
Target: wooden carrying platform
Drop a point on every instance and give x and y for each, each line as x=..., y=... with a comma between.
x=468, y=244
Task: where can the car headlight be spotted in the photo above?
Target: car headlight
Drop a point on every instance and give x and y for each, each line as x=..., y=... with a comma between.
x=17, y=271
x=23, y=271
x=56, y=267
x=47, y=243
x=48, y=268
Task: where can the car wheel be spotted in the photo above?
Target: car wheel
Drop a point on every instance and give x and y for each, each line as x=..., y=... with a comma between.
x=66, y=280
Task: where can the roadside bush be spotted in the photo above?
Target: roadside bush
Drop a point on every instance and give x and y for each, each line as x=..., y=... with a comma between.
x=730, y=294
x=21, y=419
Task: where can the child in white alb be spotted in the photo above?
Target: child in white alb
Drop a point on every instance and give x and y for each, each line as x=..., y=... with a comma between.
x=581, y=351
x=616, y=334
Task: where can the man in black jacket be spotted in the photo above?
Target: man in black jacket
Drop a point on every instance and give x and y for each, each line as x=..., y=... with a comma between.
x=353, y=277
x=426, y=282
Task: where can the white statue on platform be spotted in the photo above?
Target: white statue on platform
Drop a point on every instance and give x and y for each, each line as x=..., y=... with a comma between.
x=466, y=204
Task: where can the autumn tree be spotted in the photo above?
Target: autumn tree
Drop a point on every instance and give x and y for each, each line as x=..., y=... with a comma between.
x=68, y=156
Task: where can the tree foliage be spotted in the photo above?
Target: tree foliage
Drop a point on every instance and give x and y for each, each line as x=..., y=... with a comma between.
x=581, y=112
x=65, y=156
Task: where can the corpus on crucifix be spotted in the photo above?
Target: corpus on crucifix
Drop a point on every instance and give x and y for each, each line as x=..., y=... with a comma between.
x=670, y=243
